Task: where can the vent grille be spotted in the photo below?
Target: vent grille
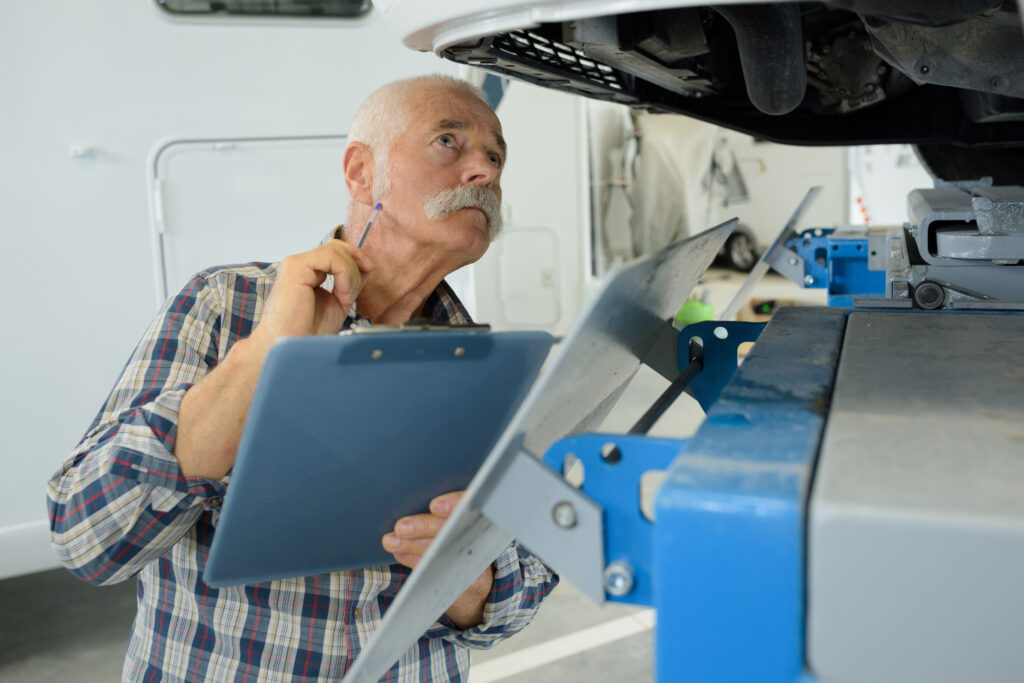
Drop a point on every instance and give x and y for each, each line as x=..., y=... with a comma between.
x=551, y=53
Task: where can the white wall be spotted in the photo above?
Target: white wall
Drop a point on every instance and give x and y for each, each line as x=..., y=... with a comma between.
x=78, y=286
x=881, y=177
x=534, y=275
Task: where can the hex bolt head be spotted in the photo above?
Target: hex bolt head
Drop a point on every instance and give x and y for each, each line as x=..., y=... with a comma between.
x=929, y=295
x=618, y=578
x=564, y=514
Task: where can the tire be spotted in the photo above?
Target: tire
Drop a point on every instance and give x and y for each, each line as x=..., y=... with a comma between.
x=740, y=251
x=1006, y=166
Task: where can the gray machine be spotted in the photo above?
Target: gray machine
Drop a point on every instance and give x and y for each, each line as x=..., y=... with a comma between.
x=852, y=507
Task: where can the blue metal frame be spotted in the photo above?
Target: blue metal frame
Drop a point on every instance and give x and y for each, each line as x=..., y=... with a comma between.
x=719, y=342
x=730, y=531
x=724, y=562
x=615, y=484
x=838, y=264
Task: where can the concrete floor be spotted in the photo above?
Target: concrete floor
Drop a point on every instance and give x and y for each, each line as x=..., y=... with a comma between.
x=54, y=628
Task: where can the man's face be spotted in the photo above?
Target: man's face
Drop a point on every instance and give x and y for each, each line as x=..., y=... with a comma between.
x=445, y=172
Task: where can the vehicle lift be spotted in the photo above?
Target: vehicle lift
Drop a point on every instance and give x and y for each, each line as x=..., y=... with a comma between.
x=851, y=508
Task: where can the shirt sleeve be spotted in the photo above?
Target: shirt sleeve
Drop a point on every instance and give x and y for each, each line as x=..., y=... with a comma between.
x=521, y=582
x=120, y=500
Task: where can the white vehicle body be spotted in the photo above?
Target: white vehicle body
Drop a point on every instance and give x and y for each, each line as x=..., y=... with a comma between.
x=433, y=27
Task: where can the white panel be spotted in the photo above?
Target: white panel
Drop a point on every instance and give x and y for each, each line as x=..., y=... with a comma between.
x=26, y=549
x=544, y=184
x=228, y=201
x=528, y=277
x=881, y=177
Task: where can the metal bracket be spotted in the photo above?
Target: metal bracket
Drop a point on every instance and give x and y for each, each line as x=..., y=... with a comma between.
x=613, y=469
x=717, y=343
x=787, y=263
x=761, y=267
x=553, y=520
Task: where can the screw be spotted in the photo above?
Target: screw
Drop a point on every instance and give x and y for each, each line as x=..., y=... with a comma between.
x=459, y=351
x=377, y=353
x=924, y=69
x=996, y=83
x=808, y=280
x=564, y=515
x=618, y=578
x=793, y=261
x=721, y=332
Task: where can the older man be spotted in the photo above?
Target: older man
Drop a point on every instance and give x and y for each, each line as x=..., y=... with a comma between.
x=142, y=492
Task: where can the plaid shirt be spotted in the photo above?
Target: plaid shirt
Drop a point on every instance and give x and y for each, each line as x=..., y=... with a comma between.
x=120, y=506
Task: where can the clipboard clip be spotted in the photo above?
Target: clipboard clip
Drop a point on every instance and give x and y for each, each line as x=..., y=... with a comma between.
x=417, y=325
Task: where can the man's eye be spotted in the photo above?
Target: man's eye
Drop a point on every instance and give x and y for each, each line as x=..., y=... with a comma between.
x=496, y=160
x=446, y=140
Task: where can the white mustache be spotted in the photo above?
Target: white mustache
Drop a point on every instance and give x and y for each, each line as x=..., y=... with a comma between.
x=447, y=202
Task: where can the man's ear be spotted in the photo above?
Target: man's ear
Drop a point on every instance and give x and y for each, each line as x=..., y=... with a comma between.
x=359, y=170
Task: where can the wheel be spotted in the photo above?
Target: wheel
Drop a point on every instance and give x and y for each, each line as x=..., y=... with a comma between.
x=1006, y=166
x=740, y=251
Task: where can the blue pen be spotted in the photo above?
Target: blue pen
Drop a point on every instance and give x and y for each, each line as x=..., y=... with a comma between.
x=369, y=222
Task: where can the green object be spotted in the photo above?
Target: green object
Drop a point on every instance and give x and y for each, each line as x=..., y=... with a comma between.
x=693, y=311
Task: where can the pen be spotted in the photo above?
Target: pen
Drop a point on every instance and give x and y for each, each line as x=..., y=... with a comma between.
x=369, y=222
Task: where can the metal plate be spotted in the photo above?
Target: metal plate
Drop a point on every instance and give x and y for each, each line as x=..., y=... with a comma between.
x=593, y=365
x=729, y=541
x=916, y=535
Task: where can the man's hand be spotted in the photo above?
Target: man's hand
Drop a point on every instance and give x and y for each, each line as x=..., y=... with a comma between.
x=411, y=538
x=212, y=413
x=298, y=306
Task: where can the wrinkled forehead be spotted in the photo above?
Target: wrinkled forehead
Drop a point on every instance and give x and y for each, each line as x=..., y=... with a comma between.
x=434, y=105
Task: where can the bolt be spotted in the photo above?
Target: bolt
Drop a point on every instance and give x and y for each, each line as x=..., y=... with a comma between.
x=460, y=351
x=618, y=578
x=721, y=332
x=924, y=69
x=793, y=261
x=997, y=83
x=377, y=353
x=808, y=280
x=929, y=295
x=564, y=515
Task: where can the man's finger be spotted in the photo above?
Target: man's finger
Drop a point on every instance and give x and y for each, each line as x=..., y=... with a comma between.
x=418, y=526
x=362, y=261
x=443, y=505
x=406, y=546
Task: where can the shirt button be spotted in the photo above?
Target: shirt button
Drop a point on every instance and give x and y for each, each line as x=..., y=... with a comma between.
x=357, y=613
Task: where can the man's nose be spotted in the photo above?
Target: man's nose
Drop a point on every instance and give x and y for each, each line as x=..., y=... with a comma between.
x=479, y=169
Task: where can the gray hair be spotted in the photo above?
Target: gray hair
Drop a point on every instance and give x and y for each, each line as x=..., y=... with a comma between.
x=385, y=115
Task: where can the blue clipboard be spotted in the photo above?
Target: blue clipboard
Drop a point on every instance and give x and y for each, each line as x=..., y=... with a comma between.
x=348, y=433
